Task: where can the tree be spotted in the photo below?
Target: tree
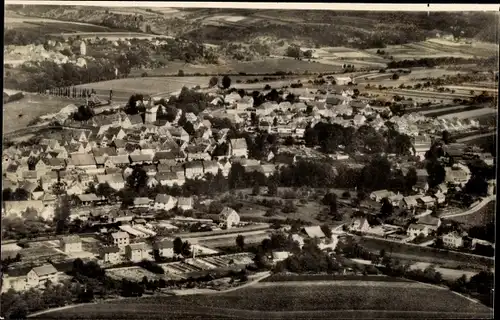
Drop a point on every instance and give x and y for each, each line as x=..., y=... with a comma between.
x=240, y=242
x=105, y=190
x=386, y=208
x=226, y=82
x=7, y=194
x=395, y=76
x=256, y=190
x=137, y=179
x=213, y=82
x=186, y=249
x=272, y=188
x=180, y=73
x=178, y=246
x=436, y=173
x=61, y=214
x=410, y=179
x=326, y=230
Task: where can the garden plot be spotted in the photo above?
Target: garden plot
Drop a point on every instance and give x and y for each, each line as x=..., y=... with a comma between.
x=131, y=273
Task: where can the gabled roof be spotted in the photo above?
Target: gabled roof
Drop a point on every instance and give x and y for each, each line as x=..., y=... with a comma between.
x=71, y=239
x=119, y=234
x=138, y=246
x=110, y=249
x=239, y=143
x=226, y=212
x=314, y=232
x=166, y=176
x=110, y=178
x=164, y=198
x=135, y=119
x=82, y=159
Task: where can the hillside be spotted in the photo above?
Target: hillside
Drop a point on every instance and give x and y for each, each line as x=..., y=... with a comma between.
x=304, y=27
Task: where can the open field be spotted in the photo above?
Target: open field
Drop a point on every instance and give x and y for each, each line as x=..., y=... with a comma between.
x=480, y=217
x=471, y=114
x=300, y=301
x=50, y=25
x=31, y=107
x=266, y=66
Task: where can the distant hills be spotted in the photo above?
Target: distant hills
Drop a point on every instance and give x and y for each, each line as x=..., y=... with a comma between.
x=358, y=29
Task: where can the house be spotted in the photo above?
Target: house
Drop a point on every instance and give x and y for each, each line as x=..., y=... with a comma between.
x=142, y=202
x=359, y=120
x=238, y=147
x=164, y=202
x=136, y=252
x=141, y=158
x=415, y=230
x=82, y=161
x=228, y=218
x=342, y=81
x=194, y=169
x=16, y=208
x=179, y=134
x=381, y=194
x=457, y=176
x=71, y=244
x=165, y=248
x=211, y=167
x=299, y=239
x=90, y=199
x=120, y=239
x=41, y=274
x=440, y=198
x=225, y=167
x=395, y=200
x=121, y=160
x=359, y=225
x=185, y=203
x=426, y=202
x=453, y=240
x=114, y=180
x=170, y=178
x=110, y=254
x=409, y=202
x=280, y=256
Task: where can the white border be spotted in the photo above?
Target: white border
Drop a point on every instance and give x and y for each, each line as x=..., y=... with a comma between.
x=274, y=5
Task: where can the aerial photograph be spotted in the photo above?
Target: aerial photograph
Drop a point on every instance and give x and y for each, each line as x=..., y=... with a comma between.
x=179, y=161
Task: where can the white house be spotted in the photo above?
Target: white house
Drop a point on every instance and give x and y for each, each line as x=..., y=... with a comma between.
x=110, y=254
x=381, y=194
x=229, y=218
x=453, y=239
x=416, y=229
x=165, y=248
x=185, y=203
x=120, y=239
x=71, y=244
x=136, y=252
x=165, y=202
x=40, y=275
x=359, y=225
x=239, y=147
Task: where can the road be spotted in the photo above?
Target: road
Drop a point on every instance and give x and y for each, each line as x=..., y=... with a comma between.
x=477, y=136
x=479, y=206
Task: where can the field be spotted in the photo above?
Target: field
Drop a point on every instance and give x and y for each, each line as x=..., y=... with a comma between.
x=471, y=114
x=327, y=300
x=481, y=217
x=31, y=107
x=50, y=25
x=267, y=66
x=108, y=35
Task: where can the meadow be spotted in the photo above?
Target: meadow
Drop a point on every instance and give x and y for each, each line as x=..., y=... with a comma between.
x=481, y=217
x=270, y=301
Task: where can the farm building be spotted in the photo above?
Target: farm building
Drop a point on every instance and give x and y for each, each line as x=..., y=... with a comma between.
x=110, y=254
x=136, y=252
x=71, y=244
x=165, y=248
x=40, y=275
x=228, y=218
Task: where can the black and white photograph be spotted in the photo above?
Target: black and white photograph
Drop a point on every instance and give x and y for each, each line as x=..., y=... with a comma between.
x=204, y=160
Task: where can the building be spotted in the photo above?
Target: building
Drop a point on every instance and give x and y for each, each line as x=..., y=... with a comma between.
x=381, y=194
x=165, y=248
x=416, y=229
x=83, y=48
x=453, y=240
x=228, y=218
x=40, y=275
x=239, y=147
x=110, y=254
x=71, y=244
x=165, y=202
x=136, y=252
x=151, y=113
x=426, y=202
x=359, y=225
x=120, y=239
x=185, y=203
x=342, y=81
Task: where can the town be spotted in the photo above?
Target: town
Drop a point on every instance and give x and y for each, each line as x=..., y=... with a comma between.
x=219, y=184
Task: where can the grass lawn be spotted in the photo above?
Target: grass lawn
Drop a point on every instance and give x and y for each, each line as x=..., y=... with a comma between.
x=31, y=107
x=329, y=277
x=480, y=217
x=296, y=302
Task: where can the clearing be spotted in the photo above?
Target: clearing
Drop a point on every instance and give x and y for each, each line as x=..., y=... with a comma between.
x=30, y=107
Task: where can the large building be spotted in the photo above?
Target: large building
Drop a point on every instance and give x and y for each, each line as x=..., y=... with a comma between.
x=71, y=244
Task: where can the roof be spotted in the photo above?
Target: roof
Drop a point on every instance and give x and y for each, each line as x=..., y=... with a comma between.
x=119, y=234
x=141, y=200
x=82, y=159
x=164, y=244
x=314, y=232
x=410, y=200
x=141, y=157
x=239, y=143
x=422, y=173
x=110, y=249
x=194, y=164
x=119, y=159
x=88, y=197
x=185, y=201
x=71, y=239
x=164, y=198
x=135, y=119
x=426, y=199
x=417, y=226
x=110, y=178
x=428, y=220
x=45, y=270
x=138, y=246
x=166, y=176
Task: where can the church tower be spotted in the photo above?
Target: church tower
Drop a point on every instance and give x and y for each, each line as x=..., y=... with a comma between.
x=151, y=112
x=83, y=48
